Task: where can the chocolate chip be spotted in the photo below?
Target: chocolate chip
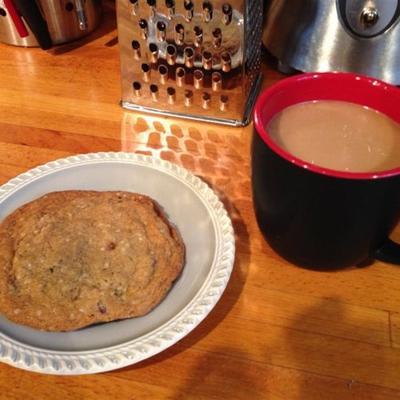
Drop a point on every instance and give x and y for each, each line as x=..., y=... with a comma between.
x=111, y=246
x=102, y=308
x=118, y=292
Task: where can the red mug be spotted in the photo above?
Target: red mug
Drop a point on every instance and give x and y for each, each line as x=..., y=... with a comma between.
x=316, y=217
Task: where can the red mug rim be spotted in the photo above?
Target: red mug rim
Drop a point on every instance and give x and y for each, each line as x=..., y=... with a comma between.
x=341, y=78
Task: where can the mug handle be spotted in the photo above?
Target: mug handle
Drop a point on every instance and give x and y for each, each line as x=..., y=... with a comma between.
x=389, y=252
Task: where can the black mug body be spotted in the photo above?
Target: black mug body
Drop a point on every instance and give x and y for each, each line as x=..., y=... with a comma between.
x=321, y=221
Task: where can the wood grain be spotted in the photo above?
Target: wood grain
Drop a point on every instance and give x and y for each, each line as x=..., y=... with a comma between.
x=279, y=331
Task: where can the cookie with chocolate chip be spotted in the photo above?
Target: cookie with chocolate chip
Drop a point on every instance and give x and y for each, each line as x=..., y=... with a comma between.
x=74, y=258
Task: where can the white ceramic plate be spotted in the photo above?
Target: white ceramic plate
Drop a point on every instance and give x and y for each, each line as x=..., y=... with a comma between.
x=210, y=248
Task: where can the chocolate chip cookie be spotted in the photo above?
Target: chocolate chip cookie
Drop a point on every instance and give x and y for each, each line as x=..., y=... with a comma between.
x=74, y=258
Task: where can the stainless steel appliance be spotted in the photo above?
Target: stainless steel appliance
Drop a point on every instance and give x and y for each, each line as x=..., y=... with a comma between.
x=361, y=36
x=45, y=23
x=190, y=58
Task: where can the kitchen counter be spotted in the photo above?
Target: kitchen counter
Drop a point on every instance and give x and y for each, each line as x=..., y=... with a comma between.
x=279, y=331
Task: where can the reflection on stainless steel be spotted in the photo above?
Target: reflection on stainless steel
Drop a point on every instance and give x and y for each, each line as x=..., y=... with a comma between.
x=361, y=36
x=81, y=14
x=65, y=23
x=211, y=46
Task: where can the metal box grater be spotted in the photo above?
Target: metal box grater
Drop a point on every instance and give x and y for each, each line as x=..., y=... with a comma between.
x=193, y=59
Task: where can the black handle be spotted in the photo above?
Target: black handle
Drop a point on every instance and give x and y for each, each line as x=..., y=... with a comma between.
x=33, y=17
x=389, y=252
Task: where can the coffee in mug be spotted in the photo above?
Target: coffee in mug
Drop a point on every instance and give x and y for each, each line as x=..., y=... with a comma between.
x=316, y=206
x=338, y=135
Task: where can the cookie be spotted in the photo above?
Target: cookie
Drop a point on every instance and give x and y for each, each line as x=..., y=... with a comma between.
x=75, y=258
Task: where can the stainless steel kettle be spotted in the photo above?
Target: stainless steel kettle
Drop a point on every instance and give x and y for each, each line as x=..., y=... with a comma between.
x=47, y=22
x=361, y=36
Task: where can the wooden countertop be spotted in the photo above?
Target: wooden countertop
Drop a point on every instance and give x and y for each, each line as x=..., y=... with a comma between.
x=279, y=331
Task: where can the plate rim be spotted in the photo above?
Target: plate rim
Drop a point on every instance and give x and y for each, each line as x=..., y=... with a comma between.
x=162, y=337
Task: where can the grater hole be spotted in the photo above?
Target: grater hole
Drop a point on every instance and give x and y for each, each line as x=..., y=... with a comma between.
x=226, y=57
x=198, y=31
x=207, y=60
x=226, y=9
x=3, y=12
x=180, y=72
x=171, y=95
x=169, y=3
x=171, y=91
x=154, y=92
x=133, y=1
x=198, y=74
x=188, y=98
x=189, y=52
x=179, y=29
x=137, y=88
x=207, y=11
x=171, y=54
x=216, y=81
x=179, y=34
x=217, y=33
x=198, y=78
x=223, y=102
x=207, y=55
x=143, y=24
x=161, y=26
x=207, y=6
x=171, y=49
x=188, y=5
x=151, y=3
x=135, y=45
x=145, y=68
x=206, y=100
x=180, y=76
x=69, y=6
x=163, y=70
x=153, y=52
